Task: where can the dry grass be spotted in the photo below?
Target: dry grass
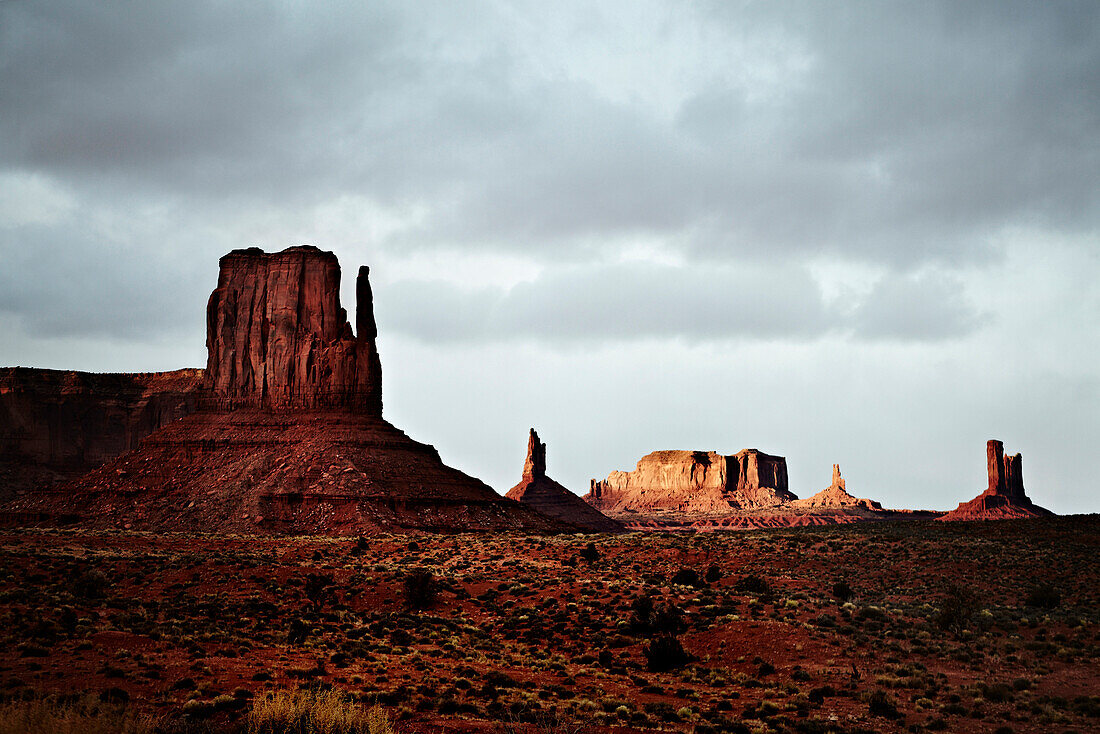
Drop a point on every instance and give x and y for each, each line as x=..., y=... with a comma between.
x=88, y=716
x=316, y=712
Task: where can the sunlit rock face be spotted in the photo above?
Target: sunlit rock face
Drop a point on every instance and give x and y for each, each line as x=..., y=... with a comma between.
x=695, y=482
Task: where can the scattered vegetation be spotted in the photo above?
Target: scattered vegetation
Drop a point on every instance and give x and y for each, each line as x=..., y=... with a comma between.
x=316, y=712
x=525, y=634
x=86, y=715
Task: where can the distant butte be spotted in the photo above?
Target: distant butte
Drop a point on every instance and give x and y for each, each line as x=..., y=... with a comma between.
x=695, y=482
x=550, y=498
x=1004, y=498
x=289, y=435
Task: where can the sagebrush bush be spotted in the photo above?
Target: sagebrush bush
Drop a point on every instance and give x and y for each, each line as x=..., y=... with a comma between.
x=842, y=591
x=957, y=610
x=665, y=652
x=1044, y=596
x=753, y=584
x=421, y=588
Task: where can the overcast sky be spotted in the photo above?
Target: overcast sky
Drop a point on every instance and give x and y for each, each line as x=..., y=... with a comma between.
x=862, y=233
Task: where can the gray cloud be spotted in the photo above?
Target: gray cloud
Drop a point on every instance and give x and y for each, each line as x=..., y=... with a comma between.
x=895, y=134
x=635, y=301
x=920, y=307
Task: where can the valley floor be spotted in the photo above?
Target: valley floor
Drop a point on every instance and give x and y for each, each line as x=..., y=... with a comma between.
x=885, y=626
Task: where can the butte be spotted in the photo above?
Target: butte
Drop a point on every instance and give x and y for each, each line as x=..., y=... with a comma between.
x=1004, y=499
x=288, y=435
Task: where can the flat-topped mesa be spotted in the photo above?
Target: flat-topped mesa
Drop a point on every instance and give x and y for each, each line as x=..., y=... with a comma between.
x=702, y=482
x=1004, y=496
x=277, y=337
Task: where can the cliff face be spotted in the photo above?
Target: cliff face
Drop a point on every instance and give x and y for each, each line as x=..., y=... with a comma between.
x=277, y=337
x=695, y=482
x=56, y=424
x=543, y=494
x=1004, y=497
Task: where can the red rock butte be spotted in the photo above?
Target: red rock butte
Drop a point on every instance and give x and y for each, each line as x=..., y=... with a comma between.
x=289, y=435
x=278, y=338
x=702, y=482
x=1004, y=498
x=552, y=499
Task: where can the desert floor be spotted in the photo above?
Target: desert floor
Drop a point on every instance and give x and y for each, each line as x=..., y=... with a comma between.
x=891, y=626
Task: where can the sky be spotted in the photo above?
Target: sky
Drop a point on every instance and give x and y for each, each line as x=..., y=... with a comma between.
x=857, y=233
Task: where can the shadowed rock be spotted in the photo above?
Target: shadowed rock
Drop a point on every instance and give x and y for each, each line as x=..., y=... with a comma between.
x=56, y=425
x=550, y=498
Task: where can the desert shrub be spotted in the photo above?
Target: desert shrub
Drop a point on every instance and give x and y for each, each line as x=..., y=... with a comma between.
x=315, y=712
x=957, y=610
x=818, y=695
x=86, y=716
x=318, y=589
x=91, y=584
x=641, y=614
x=842, y=591
x=665, y=652
x=753, y=584
x=1044, y=596
x=298, y=632
x=590, y=553
x=686, y=577
x=668, y=619
x=995, y=692
x=420, y=588
x=879, y=704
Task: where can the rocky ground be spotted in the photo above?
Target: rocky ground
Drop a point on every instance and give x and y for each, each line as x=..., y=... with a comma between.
x=886, y=626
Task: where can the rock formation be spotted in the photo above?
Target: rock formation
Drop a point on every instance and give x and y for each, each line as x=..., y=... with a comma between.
x=57, y=425
x=550, y=498
x=836, y=496
x=1004, y=498
x=702, y=482
x=278, y=338
x=289, y=435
